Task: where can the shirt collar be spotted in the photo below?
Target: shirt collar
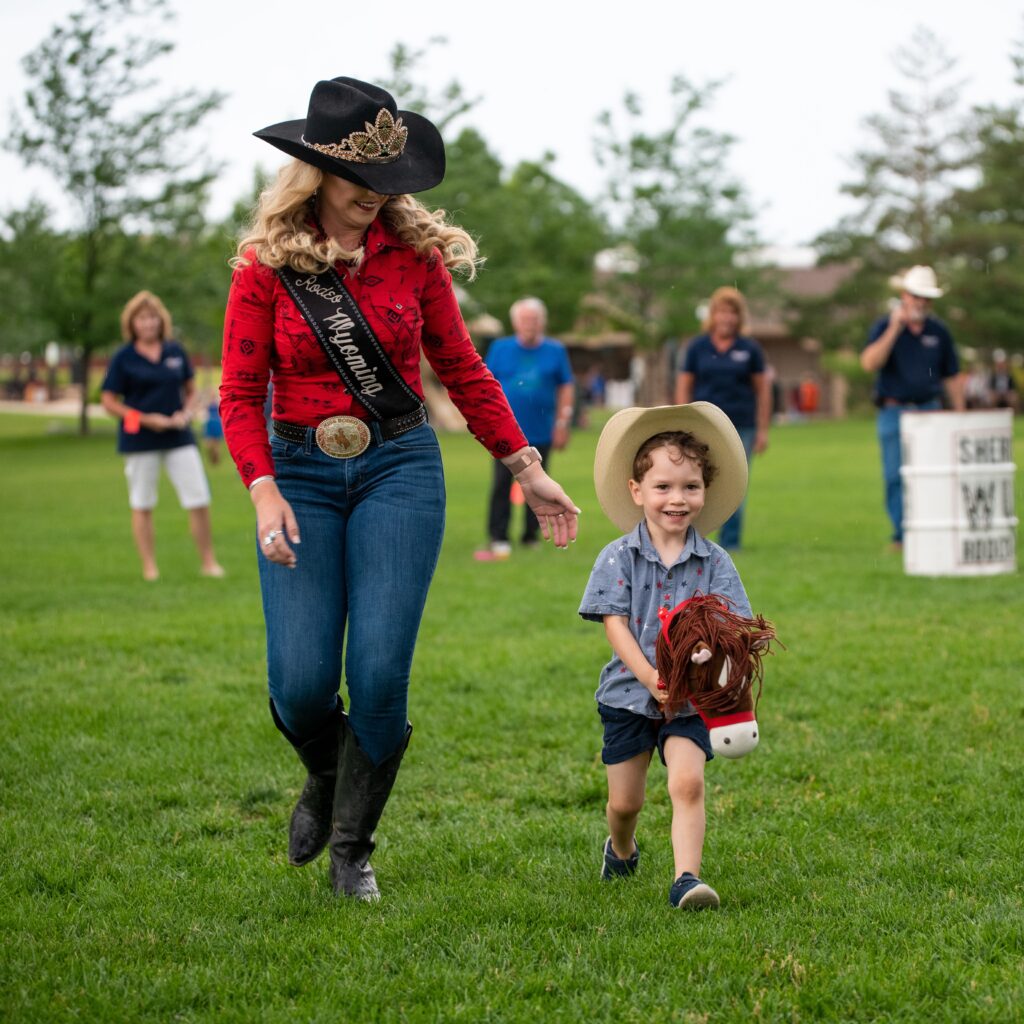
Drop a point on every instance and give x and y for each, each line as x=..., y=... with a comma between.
x=379, y=236
x=529, y=348
x=929, y=325
x=640, y=540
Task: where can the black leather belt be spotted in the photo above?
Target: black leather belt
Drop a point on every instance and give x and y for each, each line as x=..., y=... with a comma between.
x=896, y=403
x=296, y=432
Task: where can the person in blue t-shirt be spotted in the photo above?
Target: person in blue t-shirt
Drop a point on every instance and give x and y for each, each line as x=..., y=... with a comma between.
x=148, y=385
x=914, y=356
x=535, y=374
x=724, y=367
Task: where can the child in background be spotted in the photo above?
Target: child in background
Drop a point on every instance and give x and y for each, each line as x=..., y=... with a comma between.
x=661, y=475
x=213, y=429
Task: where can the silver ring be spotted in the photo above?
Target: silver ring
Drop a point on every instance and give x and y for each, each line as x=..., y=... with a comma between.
x=269, y=539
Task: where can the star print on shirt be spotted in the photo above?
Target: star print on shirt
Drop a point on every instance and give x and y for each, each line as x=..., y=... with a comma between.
x=611, y=561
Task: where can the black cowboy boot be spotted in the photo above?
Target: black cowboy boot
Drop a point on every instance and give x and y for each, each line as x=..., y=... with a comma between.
x=361, y=792
x=310, y=826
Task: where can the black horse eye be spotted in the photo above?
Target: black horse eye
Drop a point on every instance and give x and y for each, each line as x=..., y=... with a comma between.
x=727, y=740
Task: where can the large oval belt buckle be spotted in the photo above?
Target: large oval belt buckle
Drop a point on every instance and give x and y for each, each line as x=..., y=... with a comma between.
x=342, y=437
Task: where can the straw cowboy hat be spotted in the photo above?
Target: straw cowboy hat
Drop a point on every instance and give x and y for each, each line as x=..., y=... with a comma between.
x=918, y=281
x=627, y=430
x=355, y=131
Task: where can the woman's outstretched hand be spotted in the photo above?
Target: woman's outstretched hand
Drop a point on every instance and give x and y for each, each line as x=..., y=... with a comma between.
x=554, y=509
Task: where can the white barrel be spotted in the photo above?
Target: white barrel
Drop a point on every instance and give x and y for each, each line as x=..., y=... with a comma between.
x=958, y=509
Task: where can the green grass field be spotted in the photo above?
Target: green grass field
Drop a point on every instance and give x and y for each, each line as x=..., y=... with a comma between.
x=868, y=855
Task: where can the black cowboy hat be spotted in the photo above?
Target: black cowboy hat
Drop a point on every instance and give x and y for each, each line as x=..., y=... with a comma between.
x=355, y=130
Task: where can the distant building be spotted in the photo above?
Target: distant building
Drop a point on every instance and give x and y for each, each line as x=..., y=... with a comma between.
x=795, y=361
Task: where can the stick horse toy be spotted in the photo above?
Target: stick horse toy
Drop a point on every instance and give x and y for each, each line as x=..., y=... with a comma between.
x=711, y=656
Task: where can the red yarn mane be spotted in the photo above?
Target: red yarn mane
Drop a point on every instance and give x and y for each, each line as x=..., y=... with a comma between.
x=705, y=619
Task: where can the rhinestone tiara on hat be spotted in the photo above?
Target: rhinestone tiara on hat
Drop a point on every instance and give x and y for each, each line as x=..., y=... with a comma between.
x=381, y=143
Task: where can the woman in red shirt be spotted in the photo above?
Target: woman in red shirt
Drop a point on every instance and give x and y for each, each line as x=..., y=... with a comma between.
x=360, y=485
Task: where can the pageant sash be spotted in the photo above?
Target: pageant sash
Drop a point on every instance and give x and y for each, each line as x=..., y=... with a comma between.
x=349, y=343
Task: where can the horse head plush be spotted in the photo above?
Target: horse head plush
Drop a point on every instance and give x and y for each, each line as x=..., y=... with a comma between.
x=710, y=656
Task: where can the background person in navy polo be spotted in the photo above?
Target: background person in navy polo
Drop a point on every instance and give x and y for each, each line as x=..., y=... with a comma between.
x=914, y=355
x=148, y=386
x=724, y=367
x=535, y=374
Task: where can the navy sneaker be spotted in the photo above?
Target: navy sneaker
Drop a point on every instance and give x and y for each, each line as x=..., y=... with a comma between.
x=616, y=867
x=688, y=892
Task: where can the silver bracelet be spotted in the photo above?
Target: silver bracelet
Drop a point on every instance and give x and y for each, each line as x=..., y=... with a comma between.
x=260, y=480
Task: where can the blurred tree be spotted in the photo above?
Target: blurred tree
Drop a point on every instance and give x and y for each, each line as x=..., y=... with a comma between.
x=39, y=267
x=538, y=236
x=123, y=164
x=985, y=243
x=552, y=237
x=678, y=219
x=442, y=108
x=921, y=146
x=31, y=253
x=921, y=149
x=472, y=181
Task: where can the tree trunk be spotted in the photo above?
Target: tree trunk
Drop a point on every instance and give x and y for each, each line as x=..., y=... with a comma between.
x=83, y=416
x=90, y=272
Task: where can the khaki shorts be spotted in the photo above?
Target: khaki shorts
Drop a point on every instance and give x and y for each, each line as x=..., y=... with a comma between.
x=184, y=467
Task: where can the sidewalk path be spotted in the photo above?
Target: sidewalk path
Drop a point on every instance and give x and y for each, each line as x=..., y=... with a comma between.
x=62, y=407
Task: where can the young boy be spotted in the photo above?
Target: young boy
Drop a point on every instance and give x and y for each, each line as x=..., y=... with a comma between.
x=662, y=475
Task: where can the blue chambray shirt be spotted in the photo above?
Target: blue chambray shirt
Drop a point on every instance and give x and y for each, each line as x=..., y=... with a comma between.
x=629, y=579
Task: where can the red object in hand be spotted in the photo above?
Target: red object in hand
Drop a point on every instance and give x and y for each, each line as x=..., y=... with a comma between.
x=662, y=685
x=132, y=421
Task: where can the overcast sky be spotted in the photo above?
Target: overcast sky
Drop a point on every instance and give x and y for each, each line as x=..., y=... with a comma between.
x=801, y=75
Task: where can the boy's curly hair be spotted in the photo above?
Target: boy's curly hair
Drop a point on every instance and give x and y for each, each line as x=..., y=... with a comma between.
x=687, y=445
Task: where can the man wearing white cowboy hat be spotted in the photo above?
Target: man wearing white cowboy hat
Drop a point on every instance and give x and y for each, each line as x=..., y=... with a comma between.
x=914, y=356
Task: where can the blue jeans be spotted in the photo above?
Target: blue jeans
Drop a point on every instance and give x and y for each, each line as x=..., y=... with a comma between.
x=889, y=440
x=371, y=531
x=732, y=528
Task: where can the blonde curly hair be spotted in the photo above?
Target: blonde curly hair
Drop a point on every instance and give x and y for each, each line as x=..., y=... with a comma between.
x=280, y=232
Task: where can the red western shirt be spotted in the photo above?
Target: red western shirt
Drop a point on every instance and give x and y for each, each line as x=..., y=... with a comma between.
x=408, y=302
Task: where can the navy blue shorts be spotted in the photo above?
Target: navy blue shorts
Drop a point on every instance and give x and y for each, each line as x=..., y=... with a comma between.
x=627, y=734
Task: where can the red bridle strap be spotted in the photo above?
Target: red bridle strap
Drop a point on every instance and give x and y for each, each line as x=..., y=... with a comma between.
x=667, y=615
